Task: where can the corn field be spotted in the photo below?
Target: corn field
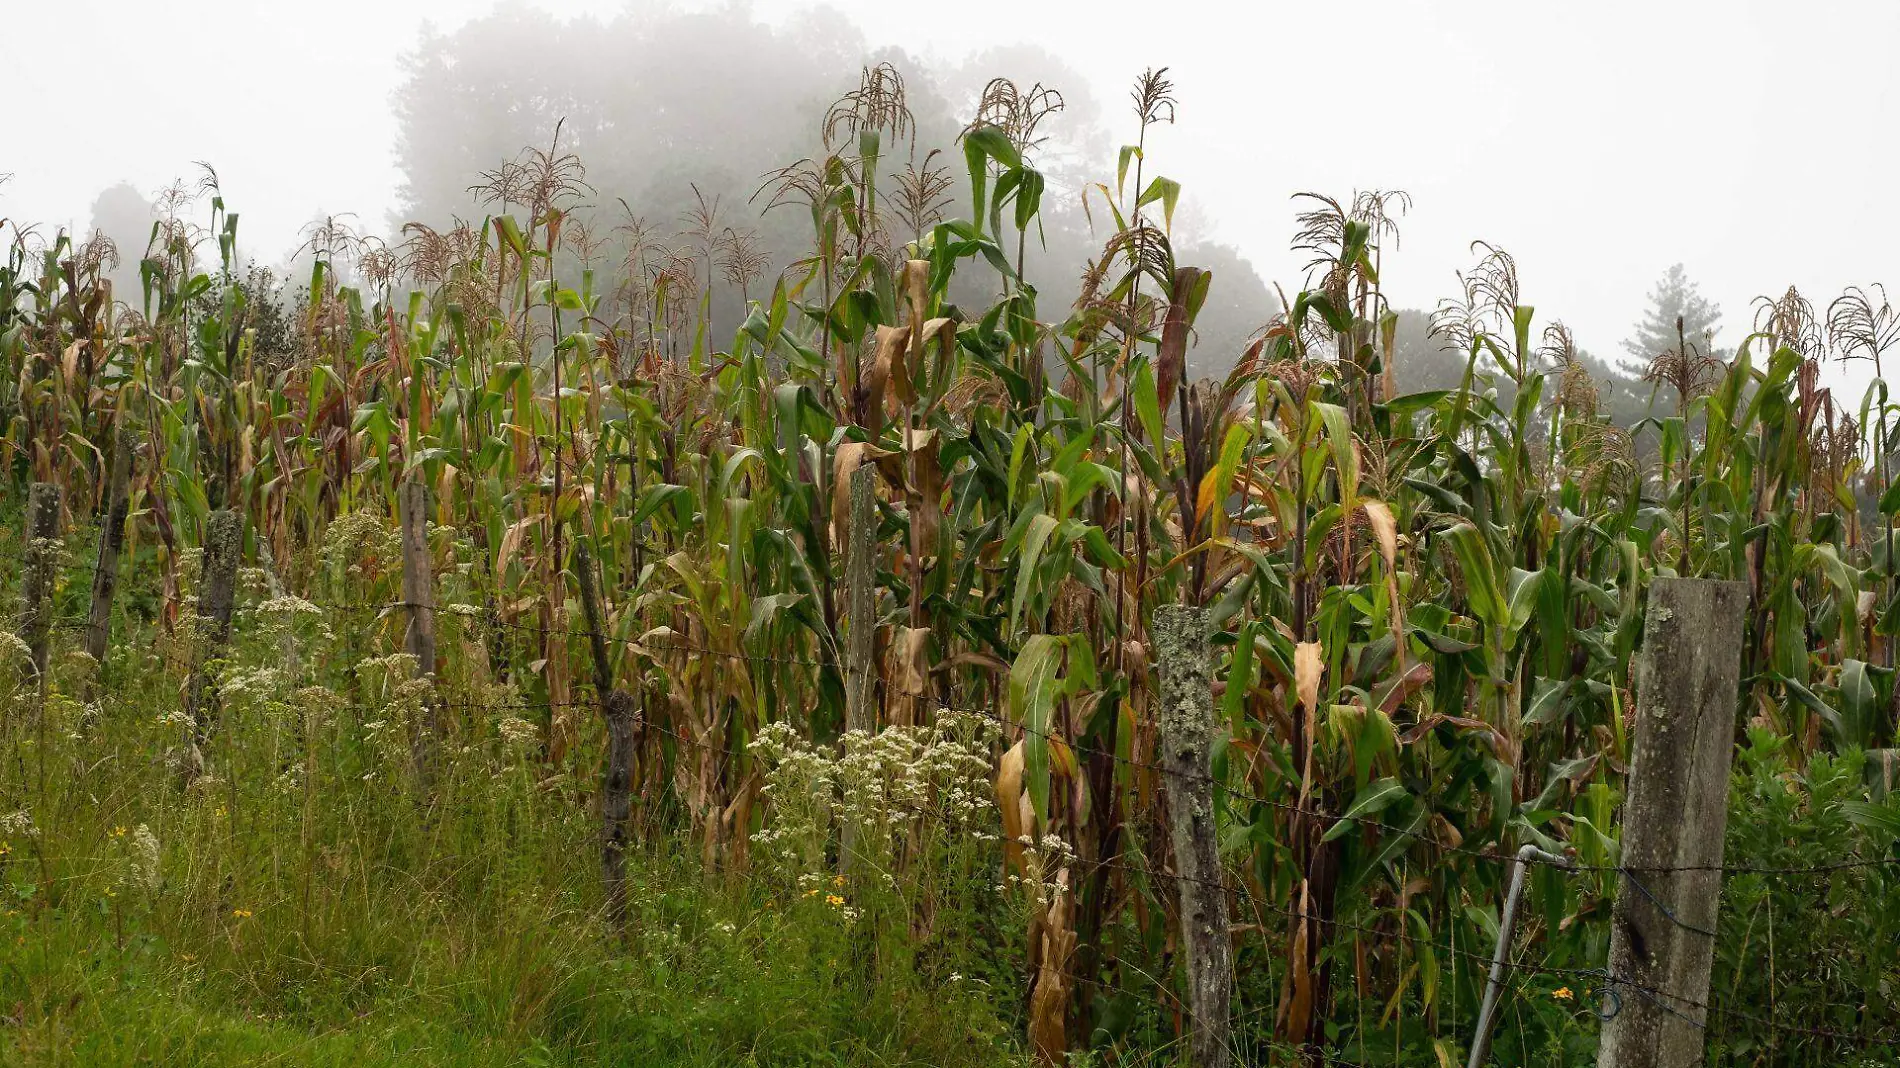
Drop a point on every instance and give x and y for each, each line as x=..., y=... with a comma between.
x=486, y=574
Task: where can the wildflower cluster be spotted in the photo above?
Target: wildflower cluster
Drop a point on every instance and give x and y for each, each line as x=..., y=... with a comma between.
x=884, y=789
x=18, y=824
x=517, y=735
x=1045, y=874
x=356, y=543
x=139, y=854
x=16, y=662
x=281, y=617
x=402, y=713
x=259, y=689
x=800, y=783
x=832, y=892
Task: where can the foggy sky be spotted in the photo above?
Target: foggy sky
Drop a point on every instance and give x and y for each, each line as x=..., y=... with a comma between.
x=1598, y=142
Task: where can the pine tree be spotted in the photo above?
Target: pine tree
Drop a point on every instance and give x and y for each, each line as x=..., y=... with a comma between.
x=1675, y=295
x=125, y=217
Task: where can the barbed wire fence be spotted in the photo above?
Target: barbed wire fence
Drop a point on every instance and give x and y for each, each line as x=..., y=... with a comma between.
x=1612, y=991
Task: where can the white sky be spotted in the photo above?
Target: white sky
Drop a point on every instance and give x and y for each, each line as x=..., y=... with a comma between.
x=1598, y=142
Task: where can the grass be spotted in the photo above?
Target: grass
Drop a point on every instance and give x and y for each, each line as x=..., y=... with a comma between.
x=307, y=906
x=712, y=978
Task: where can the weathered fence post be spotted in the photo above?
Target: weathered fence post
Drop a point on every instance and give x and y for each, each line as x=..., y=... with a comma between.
x=105, y=574
x=860, y=606
x=1186, y=720
x=39, y=573
x=418, y=597
x=224, y=544
x=1662, y=942
x=418, y=579
x=621, y=712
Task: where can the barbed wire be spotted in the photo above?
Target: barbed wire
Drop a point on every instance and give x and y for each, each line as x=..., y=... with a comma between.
x=677, y=643
x=1597, y=976
x=1602, y=978
x=1608, y=981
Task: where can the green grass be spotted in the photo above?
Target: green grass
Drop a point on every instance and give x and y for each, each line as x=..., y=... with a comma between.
x=417, y=981
x=309, y=907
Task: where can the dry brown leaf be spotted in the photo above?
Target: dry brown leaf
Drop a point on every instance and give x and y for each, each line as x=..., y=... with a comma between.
x=1405, y=683
x=445, y=489
x=1299, y=1010
x=1171, y=359
x=1387, y=530
x=915, y=279
x=849, y=457
x=1049, y=1001
x=890, y=370
x=1426, y=723
x=511, y=541
x=1010, y=800
x=910, y=671
x=1307, y=669
x=927, y=490
x=934, y=328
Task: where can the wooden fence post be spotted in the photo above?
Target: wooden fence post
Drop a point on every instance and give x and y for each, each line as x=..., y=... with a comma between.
x=1186, y=717
x=105, y=574
x=418, y=578
x=39, y=567
x=860, y=606
x=418, y=596
x=1662, y=943
x=224, y=544
x=860, y=576
x=622, y=713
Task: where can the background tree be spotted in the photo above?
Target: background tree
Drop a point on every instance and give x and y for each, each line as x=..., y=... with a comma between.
x=669, y=106
x=125, y=216
x=1654, y=334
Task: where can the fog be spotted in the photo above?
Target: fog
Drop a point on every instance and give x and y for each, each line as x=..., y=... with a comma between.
x=1599, y=143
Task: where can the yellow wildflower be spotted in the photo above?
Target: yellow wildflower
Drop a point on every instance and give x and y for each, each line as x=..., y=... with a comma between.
x=833, y=900
x=1562, y=993
x=242, y=914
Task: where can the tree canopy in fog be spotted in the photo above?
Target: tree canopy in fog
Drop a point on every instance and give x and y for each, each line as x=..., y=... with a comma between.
x=683, y=122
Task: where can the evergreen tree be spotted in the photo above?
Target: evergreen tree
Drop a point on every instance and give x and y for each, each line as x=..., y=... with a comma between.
x=125, y=216
x=1675, y=295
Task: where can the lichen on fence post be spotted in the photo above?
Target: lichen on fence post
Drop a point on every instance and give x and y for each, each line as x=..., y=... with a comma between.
x=418, y=578
x=1662, y=945
x=1186, y=716
x=105, y=572
x=621, y=711
x=224, y=544
x=860, y=576
x=39, y=573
